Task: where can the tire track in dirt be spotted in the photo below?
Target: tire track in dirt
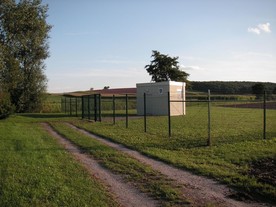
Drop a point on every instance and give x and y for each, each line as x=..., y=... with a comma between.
x=198, y=189
x=126, y=195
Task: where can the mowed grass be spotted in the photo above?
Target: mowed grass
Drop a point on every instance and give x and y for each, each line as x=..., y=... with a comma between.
x=236, y=143
x=36, y=171
x=140, y=175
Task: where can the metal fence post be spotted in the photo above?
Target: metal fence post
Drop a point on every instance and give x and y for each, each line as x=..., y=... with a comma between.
x=65, y=110
x=169, y=114
x=209, y=143
x=82, y=107
x=100, y=107
x=61, y=104
x=145, y=113
x=264, y=106
x=95, y=107
x=76, y=100
x=88, y=108
x=113, y=107
x=70, y=106
x=126, y=111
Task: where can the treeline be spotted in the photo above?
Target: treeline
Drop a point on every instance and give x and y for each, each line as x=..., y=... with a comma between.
x=230, y=87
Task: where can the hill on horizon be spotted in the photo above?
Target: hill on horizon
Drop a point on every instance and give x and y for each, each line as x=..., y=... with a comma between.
x=230, y=87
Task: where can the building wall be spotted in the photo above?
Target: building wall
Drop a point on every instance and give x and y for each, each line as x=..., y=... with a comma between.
x=157, y=98
x=177, y=93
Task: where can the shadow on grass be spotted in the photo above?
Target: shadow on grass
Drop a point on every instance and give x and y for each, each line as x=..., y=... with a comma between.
x=20, y=148
x=40, y=115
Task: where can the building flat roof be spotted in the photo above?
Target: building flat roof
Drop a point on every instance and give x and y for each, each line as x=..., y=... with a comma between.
x=104, y=92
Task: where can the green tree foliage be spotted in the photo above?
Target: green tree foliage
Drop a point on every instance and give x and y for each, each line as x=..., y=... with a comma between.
x=165, y=68
x=1, y=63
x=6, y=107
x=229, y=87
x=258, y=89
x=23, y=36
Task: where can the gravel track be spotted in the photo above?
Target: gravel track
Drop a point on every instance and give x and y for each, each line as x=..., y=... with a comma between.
x=125, y=194
x=198, y=189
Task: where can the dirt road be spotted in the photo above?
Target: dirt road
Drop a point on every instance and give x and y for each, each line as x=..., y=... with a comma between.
x=125, y=194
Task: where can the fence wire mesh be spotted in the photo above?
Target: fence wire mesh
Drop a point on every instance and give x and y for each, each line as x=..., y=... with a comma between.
x=230, y=118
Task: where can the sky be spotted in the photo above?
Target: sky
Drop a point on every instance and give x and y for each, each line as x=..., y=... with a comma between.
x=98, y=43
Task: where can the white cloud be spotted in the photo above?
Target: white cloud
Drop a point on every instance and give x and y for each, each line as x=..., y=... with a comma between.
x=265, y=27
x=191, y=67
x=260, y=28
x=251, y=56
x=254, y=30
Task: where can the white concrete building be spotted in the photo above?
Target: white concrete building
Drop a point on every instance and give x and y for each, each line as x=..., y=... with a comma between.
x=157, y=98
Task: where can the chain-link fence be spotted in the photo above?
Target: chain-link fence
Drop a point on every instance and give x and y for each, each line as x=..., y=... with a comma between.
x=212, y=119
x=96, y=107
x=71, y=105
x=205, y=118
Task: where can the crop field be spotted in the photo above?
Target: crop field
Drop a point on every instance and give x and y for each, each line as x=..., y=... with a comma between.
x=237, y=148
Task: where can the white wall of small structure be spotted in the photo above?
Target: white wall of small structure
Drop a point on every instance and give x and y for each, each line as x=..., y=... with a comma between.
x=157, y=98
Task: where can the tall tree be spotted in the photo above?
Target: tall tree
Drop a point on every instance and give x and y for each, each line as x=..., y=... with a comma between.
x=165, y=68
x=24, y=37
x=1, y=63
x=5, y=104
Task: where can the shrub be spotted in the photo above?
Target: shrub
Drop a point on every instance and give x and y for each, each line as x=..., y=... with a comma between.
x=6, y=107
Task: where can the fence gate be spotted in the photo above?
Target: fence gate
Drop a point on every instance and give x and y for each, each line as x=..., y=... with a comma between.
x=91, y=107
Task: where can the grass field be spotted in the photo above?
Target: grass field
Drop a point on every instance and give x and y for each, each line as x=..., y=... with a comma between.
x=33, y=170
x=236, y=138
x=36, y=171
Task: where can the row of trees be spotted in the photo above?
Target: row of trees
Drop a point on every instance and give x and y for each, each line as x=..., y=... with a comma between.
x=23, y=48
x=234, y=87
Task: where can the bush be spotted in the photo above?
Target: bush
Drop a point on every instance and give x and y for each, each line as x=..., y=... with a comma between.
x=6, y=107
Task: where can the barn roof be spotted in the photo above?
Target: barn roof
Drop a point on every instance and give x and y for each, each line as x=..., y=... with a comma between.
x=104, y=92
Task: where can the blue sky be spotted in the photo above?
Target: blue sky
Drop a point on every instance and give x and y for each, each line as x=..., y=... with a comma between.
x=97, y=43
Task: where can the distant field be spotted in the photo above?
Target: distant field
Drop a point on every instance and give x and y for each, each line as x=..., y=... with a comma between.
x=52, y=103
x=53, y=97
x=269, y=105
